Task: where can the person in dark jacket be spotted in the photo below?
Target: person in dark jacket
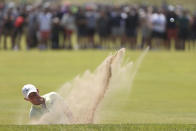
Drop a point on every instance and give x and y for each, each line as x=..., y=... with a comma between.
x=184, y=31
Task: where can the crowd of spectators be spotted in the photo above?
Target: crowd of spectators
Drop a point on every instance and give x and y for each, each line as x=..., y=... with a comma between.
x=49, y=25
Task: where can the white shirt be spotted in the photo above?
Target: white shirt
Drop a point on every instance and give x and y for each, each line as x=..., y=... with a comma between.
x=55, y=110
x=37, y=111
x=158, y=22
x=45, y=21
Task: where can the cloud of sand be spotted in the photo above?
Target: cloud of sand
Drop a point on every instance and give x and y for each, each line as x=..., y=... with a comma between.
x=84, y=94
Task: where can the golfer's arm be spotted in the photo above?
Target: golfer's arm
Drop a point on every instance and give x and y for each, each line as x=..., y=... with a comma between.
x=33, y=115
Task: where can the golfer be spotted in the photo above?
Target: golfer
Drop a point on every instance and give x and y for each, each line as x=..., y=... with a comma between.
x=42, y=104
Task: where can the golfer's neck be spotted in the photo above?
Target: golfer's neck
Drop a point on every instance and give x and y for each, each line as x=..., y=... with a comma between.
x=42, y=100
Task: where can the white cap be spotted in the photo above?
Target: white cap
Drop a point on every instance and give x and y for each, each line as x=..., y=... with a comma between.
x=27, y=89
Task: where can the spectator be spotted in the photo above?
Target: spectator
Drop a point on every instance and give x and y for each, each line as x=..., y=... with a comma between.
x=184, y=26
x=131, y=24
x=32, y=27
x=1, y=19
x=193, y=30
x=146, y=26
x=158, y=27
x=82, y=29
x=171, y=27
x=68, y=22
x=91, y=17
x=18, y=29
x=115, y=23
x=103, y=28
x=55, y=30
x=44, y=21
x=8, y=24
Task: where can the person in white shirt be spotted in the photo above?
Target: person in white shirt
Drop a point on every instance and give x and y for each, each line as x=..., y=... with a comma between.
x=44, y=21
x=158, y=27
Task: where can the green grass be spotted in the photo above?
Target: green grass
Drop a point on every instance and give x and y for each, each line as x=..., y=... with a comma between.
x=163, y=91
x=109, y=127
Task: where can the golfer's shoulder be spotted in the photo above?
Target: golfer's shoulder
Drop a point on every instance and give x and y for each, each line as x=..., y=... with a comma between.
x=52, y=96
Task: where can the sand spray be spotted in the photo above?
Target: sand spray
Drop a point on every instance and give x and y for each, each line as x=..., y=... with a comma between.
x=84, y=94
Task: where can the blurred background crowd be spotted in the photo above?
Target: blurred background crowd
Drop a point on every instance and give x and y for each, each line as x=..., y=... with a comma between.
x=91, y=25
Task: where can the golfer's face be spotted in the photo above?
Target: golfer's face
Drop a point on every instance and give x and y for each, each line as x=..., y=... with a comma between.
x=35, y=98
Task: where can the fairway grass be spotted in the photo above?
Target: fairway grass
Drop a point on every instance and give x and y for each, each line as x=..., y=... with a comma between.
x=108, y=127
x=163, y=90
